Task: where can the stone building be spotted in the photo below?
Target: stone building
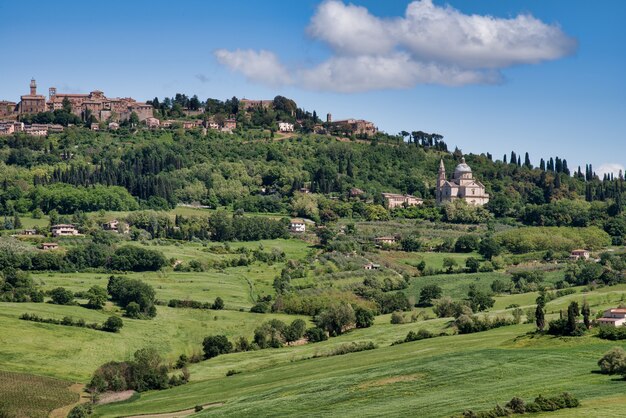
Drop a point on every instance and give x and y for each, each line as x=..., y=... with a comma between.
x=352, y=126
x=33, y=102
x=461, y=186
x=94, y=103
x=394, y=200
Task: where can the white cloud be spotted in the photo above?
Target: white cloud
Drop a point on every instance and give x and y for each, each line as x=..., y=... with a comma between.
x=428, y=45
x=608, y=168
x=259, y=66
x=395, y=71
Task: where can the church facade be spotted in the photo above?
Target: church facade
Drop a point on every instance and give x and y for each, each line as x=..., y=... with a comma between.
x=462, y=185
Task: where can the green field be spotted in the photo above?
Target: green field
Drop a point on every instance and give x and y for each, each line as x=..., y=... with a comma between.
x=430, y=378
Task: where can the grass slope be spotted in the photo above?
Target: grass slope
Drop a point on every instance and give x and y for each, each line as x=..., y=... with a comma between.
x=429, y=378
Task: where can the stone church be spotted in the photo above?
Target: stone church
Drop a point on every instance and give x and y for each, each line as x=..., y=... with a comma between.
x=461, y=186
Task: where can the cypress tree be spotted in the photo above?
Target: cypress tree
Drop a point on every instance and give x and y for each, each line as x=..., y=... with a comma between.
x=586, y=314
x=542, y=165
x=540, y=318
x=527, y=161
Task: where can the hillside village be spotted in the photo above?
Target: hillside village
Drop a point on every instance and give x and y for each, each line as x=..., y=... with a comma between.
x=36, y=115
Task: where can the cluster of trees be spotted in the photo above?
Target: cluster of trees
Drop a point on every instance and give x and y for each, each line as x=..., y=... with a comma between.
x=146, y=371
x=613, y=362
x=218, y=304
x=517, y=406
x=136, y=297
x=220, y=226
x=566, y=325
x=112, y=324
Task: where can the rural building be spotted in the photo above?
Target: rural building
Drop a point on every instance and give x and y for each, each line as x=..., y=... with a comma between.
x=578, y=254
x=229, y=125
x=251, y=104
x=7, y=109
x=461, y=186
x=115, y=225
x=36, y=130
x=371, y=266
x=114, y=126
x=33, y=102
x=356, y=192
x=613, y=317
x=285, y=127
x=152, y=122
x=380, y=241
x=29, y=232
x=63, y=230
x=49, y=246
x=353, y=126
x=394, y=200
x=297, y=225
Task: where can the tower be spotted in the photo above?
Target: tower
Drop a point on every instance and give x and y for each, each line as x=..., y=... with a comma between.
x=441, y=178
x=33, y=87
x=52, y=91
x=329, y=118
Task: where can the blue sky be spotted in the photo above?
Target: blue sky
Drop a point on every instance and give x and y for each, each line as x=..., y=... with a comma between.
x=549, y=78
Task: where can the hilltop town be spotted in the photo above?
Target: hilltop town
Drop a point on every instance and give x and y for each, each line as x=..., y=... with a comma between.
x=37, y=115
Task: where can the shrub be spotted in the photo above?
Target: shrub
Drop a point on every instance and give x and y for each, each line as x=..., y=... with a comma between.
x=215, y=345
x=353, y=347
x=429, y=293
x=397, y=318
x=314, y=335
x=113, y=324
x=466, y=244
x=218, y=304
x=612, y=333
x=125, y=291
x=80, y=411
x=364, y=317
x=335, y=319
x=61, y=296
x=261, y=307
x=131, y=258
x=613, y=361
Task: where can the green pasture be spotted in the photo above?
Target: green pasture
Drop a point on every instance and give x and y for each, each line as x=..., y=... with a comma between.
x=430, y=378
x=74, y=353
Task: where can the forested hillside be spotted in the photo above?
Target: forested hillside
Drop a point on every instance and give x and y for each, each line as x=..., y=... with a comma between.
x=80, y=170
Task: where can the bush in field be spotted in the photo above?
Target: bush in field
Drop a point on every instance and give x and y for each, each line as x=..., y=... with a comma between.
x=113, y=324
x=612, y=333
x=613, y=362
x=335, y=319
x=294, y=331
x=96, y=297
x=79, y=411
x=466, y=244
x=214, y=345
x=429, y=293
x=314, y=335
x=397, y=318
x=61, y=296
x=364, y=317
x=218, y=304
x=144, y=372
x=271, y=334
x=137, y=297
x=479, y=300
x=445, y=307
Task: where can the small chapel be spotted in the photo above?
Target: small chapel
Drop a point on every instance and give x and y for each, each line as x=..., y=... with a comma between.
x=461, y=186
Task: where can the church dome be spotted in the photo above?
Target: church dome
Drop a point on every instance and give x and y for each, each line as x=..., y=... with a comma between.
x=462, y=168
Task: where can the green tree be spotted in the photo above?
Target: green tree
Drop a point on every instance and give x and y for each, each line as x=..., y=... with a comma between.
x=479, y=300
x=218, y=304
x=429, y=293
x=215, y=345
x=540, y=318
x=586, y=314
x=96, y=297
x=472, y=264
x=61, y=296
x=336, y=318
x=364, y=318
x=449, y=264
x=113, y=324
x=613, y=361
